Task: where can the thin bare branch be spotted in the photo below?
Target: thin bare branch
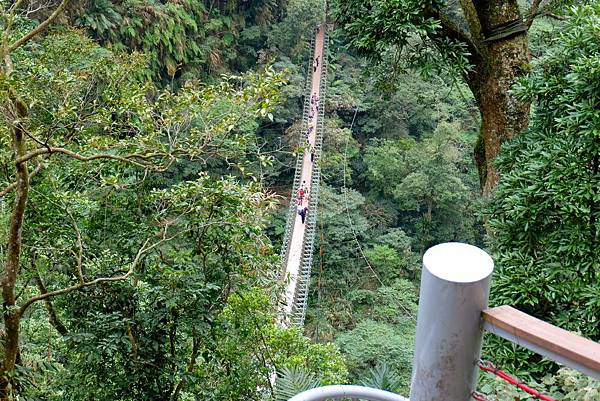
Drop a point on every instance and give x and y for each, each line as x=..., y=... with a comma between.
x=34, y=138
x=39, y=8
x=35, y=31
x=79, y=254
x=14, y=7
x=542, y=13
x=540, y=8
x=52, y=316
x=552, y=15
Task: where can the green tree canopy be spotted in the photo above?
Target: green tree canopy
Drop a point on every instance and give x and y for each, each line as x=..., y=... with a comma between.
x=545, y=214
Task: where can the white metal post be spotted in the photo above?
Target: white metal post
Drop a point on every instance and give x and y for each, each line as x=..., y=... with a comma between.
x=455, y=285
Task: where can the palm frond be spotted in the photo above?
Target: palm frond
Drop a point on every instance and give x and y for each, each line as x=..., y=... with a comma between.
x=292, y=381
x=384, y=378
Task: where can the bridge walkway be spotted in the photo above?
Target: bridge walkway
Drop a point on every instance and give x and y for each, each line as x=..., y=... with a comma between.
x=298, y=243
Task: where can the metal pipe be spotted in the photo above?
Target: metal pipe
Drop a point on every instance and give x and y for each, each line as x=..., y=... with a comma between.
x=341, y=392
x=455, y=285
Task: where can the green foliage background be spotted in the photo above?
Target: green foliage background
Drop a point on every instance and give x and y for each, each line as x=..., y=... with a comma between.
x=212, y=92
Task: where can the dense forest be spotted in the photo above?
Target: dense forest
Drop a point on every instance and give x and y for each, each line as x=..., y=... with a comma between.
x=147, y=153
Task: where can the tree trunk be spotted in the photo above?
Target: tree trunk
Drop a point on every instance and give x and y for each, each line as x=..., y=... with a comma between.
x=497, y=65
x=12, y=317
x=502, y=115
x=429, y=211
x=592, y=274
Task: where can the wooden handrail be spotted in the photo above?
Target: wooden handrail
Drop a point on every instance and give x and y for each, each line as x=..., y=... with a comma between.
x=560, y=345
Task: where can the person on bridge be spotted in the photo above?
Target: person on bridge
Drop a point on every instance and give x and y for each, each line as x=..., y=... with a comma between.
x=312, y=154
x=302, y=192
x=302, y=212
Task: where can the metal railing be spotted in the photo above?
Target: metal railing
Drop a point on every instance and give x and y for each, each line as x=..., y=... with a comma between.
x=291, y=217
x=347, y=392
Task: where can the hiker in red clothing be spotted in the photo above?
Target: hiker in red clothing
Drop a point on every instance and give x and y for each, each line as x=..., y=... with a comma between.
x=302, y=193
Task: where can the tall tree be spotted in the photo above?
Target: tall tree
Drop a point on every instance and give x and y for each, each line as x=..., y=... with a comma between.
x=485, y=41
x=71, y=110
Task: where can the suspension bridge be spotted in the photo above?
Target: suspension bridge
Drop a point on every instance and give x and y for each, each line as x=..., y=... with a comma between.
x=299, y=236
x=453, y=302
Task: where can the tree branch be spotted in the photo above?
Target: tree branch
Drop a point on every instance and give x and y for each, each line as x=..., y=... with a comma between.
x=543, y=13
x=539, y=8
x=190, y=366
x=31, y=10
x=52, y=316
x=15, y=5
x=12, y=186
x=472, y=18
x=453, y=30
x=70, y=153
x=531, y=14
x=134, y=353
x=141, y=252
x=79, y=254
x=143, y=249
x=31, y=34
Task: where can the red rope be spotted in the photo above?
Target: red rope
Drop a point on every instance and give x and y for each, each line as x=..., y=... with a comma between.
x=478, y=396
x=487, y=366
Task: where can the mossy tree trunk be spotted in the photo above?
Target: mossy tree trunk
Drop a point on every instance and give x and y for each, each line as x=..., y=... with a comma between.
x=11, y=313
x=497, y=65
